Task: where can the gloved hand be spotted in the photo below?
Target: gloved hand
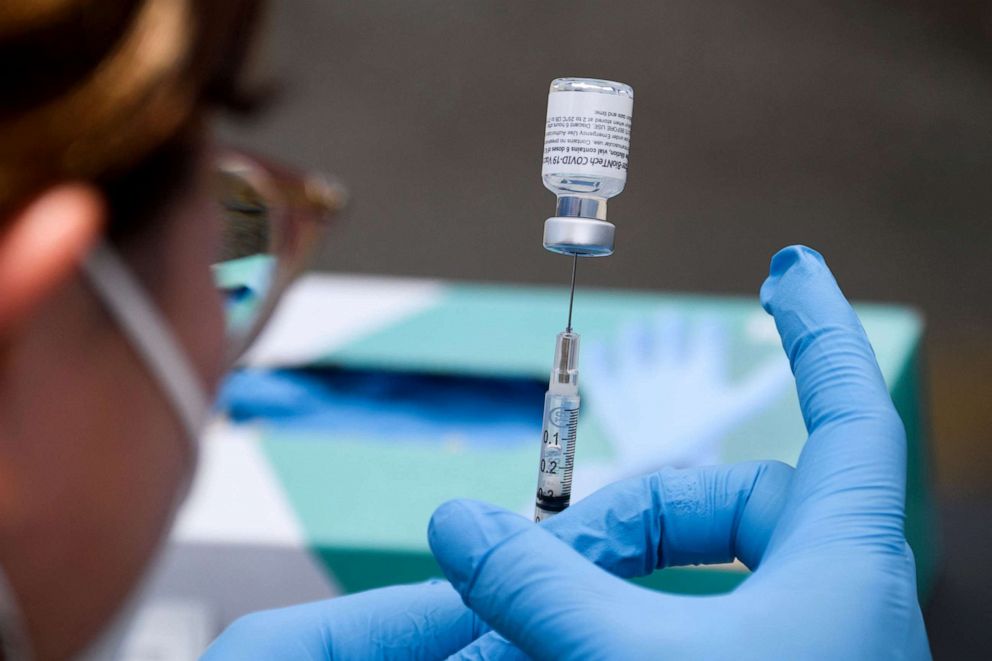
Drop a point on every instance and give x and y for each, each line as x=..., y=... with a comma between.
x=832, y=576
x=424, y=621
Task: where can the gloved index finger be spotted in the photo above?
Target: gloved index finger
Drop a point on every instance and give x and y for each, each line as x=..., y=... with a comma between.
x=854, y=461
x=673, y=517
x=526, y=583
x=677, y=517
x=833, y=362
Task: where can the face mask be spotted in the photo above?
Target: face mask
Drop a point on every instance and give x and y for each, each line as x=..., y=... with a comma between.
x=150, y=336
x=272, y=218
x=148, y=333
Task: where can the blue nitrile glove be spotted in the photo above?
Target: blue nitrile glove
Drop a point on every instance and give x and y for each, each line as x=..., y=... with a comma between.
x=422, y=621
x=833, y=577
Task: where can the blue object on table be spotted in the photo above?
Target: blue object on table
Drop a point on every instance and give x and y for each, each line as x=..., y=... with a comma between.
x=388, y=406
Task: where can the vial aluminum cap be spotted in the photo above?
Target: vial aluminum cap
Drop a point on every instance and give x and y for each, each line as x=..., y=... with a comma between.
x=585, y=237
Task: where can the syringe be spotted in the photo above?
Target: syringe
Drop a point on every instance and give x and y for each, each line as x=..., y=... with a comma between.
x=582, y=182
x=561, y=421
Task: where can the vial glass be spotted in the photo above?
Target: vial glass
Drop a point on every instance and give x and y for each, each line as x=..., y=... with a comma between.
x=587, y=140
x=586, y=147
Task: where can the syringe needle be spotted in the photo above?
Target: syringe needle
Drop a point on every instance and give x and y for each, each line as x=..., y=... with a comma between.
x=571, y=294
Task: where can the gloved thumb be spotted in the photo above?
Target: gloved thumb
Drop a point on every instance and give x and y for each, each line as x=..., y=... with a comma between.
x=522, y=580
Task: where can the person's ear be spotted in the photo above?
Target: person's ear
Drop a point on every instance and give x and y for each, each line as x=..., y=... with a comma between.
x=43, y=243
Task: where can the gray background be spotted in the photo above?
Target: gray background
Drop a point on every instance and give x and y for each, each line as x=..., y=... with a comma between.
x=863, y=129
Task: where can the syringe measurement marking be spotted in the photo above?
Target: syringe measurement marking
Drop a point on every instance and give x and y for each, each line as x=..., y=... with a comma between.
x=573, y=424
x=556, y=444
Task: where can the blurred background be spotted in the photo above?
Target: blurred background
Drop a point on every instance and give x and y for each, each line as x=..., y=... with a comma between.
x=863, y=129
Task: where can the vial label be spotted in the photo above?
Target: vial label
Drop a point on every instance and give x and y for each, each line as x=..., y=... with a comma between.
x=587, y=134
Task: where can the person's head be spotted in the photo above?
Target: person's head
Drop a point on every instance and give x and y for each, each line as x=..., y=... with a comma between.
x=103, y=144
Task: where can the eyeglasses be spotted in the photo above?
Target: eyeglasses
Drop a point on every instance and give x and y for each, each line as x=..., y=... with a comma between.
x=273, y=218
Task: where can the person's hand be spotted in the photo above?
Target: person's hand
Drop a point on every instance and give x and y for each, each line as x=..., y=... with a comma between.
x=664, y=397
x=423, y=621
x=833, y=576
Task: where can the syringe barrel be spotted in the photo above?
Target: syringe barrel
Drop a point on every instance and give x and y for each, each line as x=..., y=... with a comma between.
x=560, y=424
x=554, y=477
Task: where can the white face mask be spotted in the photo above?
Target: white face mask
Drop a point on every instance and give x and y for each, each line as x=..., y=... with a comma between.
x=150, y=336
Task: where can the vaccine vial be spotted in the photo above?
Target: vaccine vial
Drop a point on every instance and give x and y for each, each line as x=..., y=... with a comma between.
x=586, y=147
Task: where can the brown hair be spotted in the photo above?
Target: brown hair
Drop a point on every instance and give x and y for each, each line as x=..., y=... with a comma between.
x=96, y=88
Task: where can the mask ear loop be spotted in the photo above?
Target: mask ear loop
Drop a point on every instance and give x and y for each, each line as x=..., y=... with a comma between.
x=150, y=336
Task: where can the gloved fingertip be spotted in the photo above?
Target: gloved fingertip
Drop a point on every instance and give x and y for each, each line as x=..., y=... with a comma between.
x=461, y=532
x=785, y=260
